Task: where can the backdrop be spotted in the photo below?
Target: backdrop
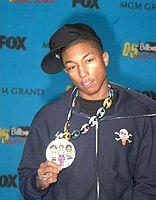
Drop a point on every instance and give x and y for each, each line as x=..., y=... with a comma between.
x=127, y=30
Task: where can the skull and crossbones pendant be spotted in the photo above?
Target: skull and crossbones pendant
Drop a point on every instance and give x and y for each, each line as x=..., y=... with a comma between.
x=123, y=136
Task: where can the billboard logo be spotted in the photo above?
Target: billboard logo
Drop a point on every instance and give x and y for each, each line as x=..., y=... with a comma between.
x=19, y=131
x=136, y=50
x=12, y=42
x=130, y=50
x=148, y=47
x=6, y=135
x=86, y=3
x=8, y=181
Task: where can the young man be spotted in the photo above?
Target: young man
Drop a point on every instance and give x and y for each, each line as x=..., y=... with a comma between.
x=111, y=130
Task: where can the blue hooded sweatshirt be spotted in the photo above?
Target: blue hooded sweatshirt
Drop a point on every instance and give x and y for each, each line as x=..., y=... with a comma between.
x=106, y=166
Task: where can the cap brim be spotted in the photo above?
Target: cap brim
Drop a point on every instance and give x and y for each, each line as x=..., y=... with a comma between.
x=50, y=64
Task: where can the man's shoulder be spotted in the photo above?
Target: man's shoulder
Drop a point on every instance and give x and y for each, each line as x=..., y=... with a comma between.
x=134, y=100
x=59, y=104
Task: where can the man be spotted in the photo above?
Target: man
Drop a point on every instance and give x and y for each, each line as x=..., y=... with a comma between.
x=111, y=130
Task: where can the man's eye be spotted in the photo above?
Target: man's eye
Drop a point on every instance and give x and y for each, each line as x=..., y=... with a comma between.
x=71, y=67
x=90, y=60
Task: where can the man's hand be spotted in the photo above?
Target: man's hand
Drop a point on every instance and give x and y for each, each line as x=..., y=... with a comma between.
x=48, y=172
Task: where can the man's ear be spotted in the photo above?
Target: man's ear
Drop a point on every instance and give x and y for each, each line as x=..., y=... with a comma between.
x=105, y=57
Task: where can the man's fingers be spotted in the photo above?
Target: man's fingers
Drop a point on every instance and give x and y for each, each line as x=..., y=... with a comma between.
x=50, y=164
x=48, y=171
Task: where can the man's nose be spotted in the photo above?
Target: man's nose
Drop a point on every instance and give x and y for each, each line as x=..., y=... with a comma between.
x=83, y=71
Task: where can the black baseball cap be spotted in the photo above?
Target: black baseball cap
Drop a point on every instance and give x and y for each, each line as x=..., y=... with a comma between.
x=64, y=36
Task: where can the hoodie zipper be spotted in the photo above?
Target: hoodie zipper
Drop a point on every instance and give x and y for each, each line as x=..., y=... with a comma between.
x=96, y=156
x=96, y=162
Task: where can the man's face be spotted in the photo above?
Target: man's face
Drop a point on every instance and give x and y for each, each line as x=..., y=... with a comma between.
x=85, y=65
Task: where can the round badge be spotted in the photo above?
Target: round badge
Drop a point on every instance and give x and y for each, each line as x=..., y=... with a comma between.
x=61, y=151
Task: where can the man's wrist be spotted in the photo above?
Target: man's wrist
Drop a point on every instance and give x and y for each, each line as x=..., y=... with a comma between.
x=38, y=185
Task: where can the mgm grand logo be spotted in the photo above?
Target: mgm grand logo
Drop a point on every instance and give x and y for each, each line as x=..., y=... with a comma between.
x=22, y=91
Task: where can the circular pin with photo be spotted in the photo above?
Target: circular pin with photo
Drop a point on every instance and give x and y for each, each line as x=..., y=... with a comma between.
x=61, y=151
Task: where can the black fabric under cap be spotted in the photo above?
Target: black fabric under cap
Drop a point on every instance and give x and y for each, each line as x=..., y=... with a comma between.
x=64, y=36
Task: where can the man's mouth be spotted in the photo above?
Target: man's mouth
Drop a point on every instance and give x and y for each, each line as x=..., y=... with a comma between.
x=87, y=84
